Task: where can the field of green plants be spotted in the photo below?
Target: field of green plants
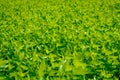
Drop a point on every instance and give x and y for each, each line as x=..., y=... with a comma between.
x=59, y=39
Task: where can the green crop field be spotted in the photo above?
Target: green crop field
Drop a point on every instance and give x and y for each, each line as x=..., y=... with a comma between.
x=59, y=39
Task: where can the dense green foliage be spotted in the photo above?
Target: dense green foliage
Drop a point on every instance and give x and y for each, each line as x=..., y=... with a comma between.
x=59, y=39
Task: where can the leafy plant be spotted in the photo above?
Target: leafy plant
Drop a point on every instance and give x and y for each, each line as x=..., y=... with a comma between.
x=59, y=40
